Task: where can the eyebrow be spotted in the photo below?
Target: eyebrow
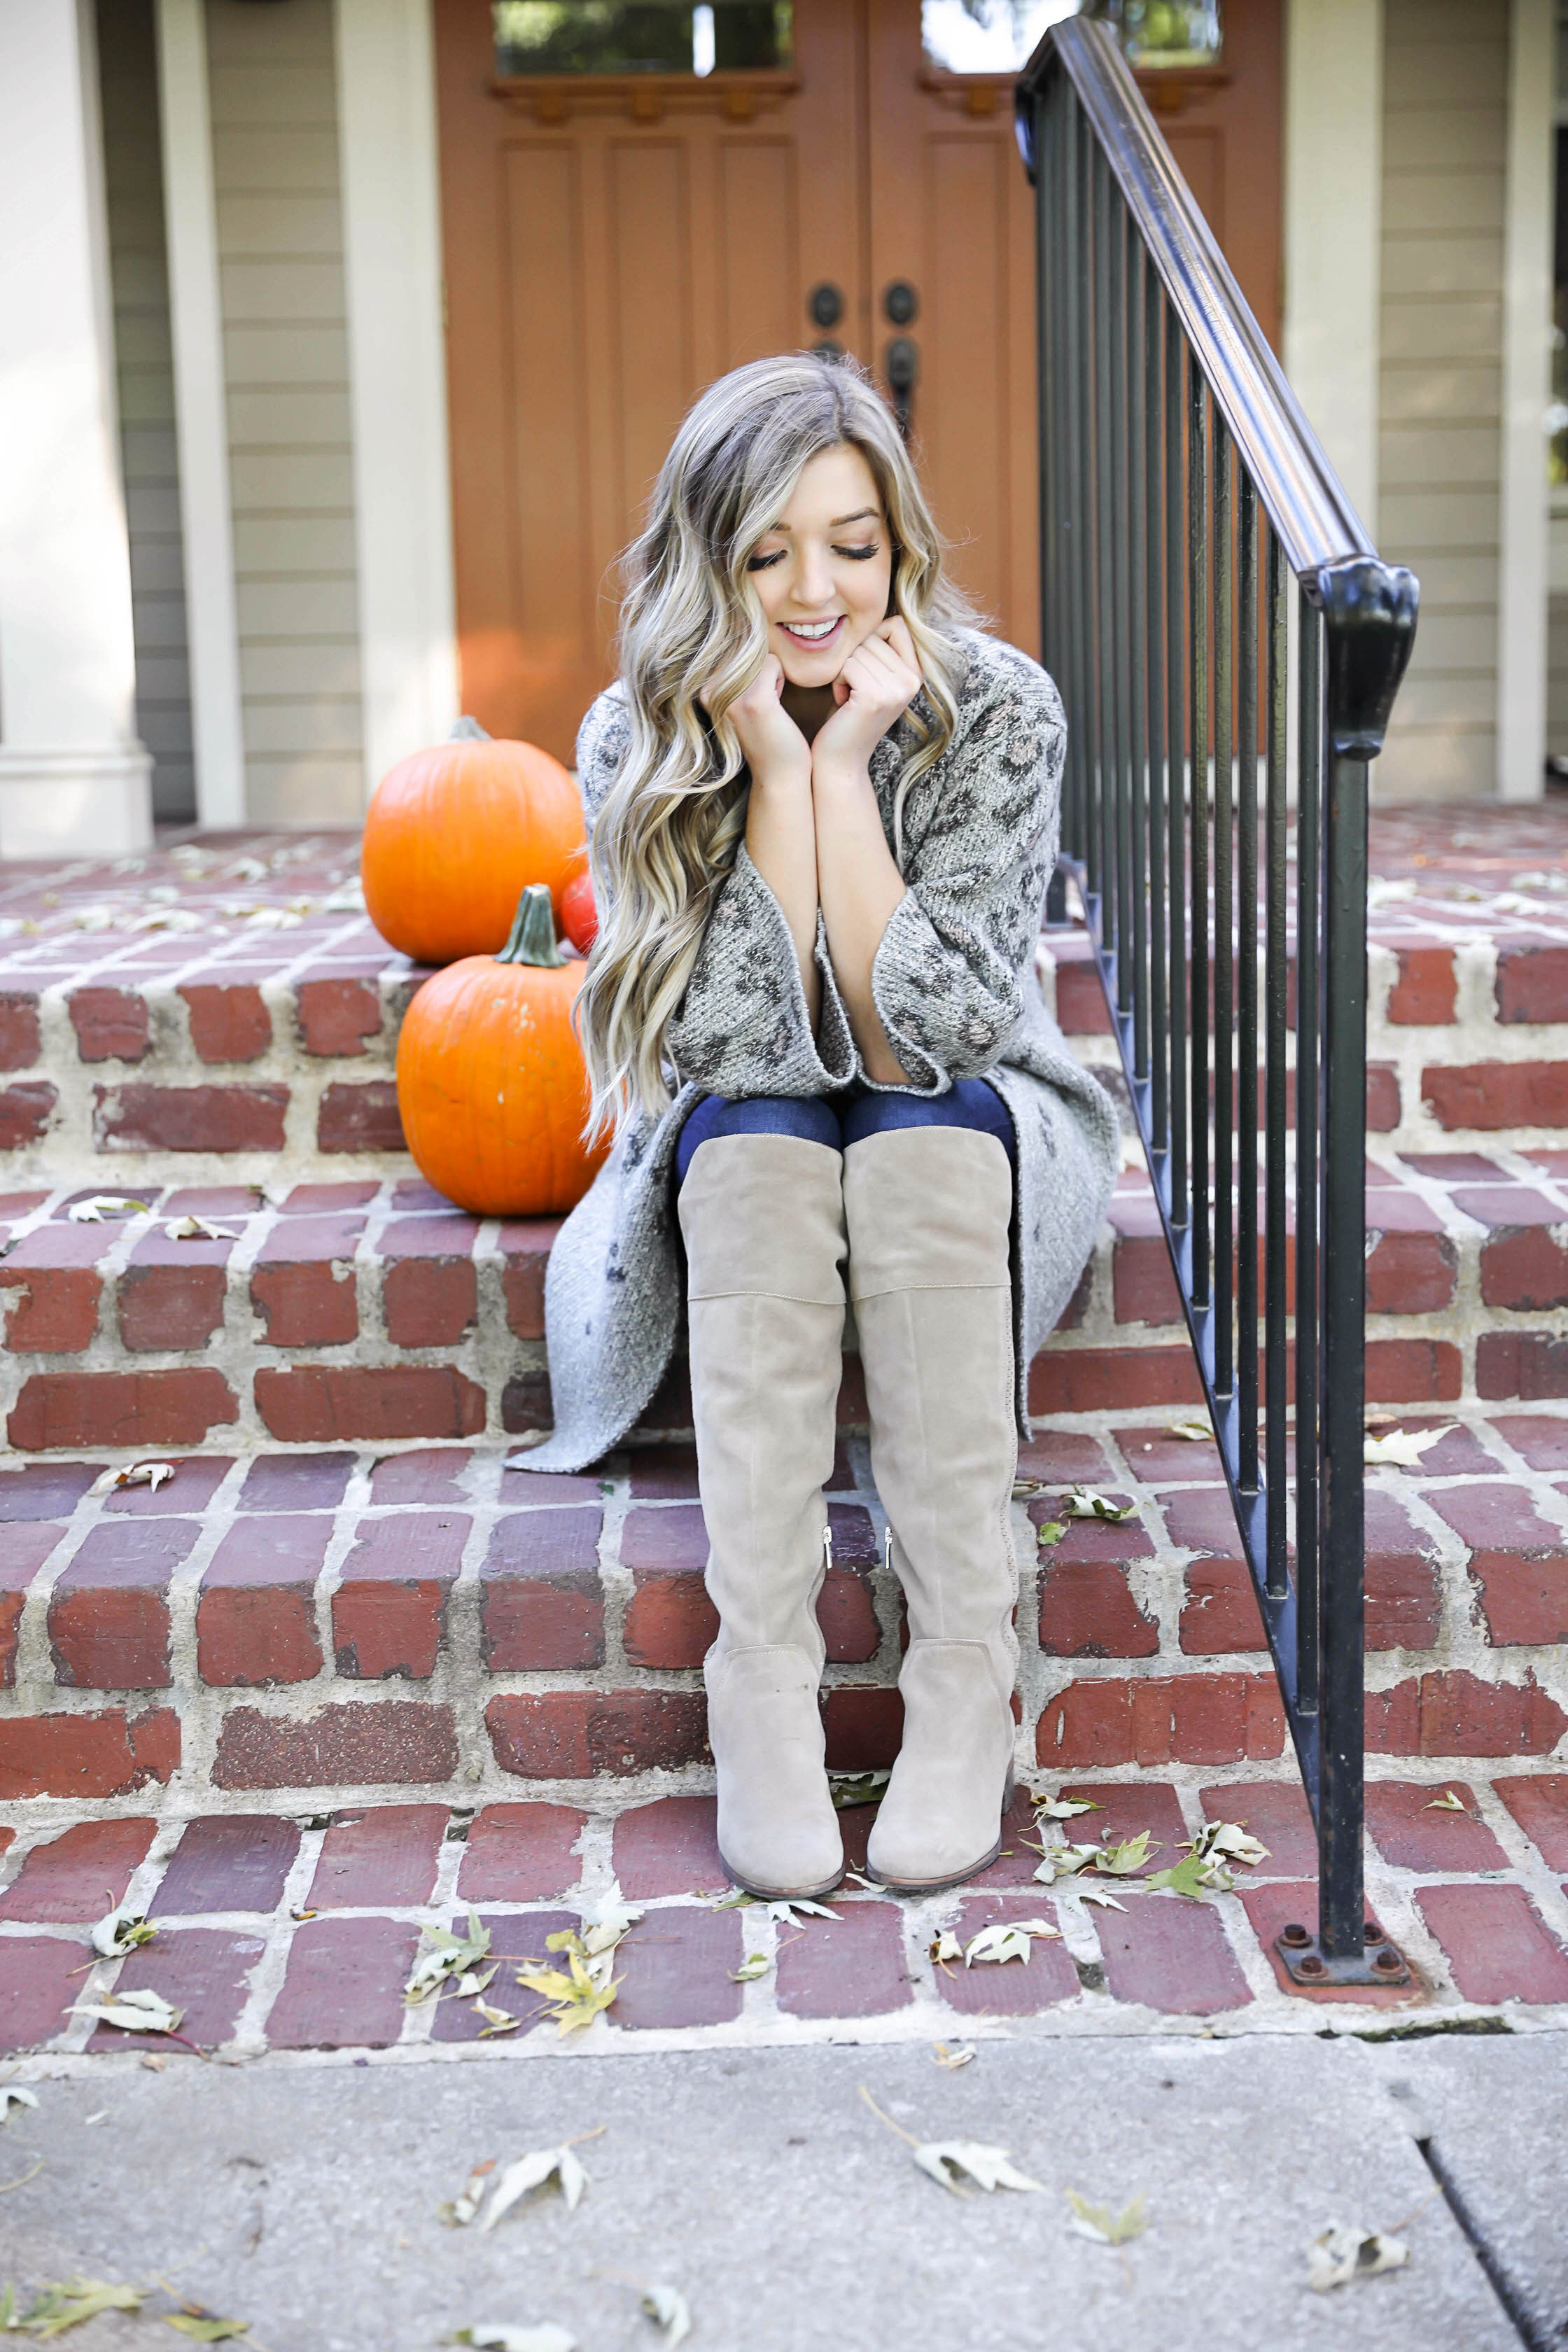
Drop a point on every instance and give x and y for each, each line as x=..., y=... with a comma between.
x=862, y=514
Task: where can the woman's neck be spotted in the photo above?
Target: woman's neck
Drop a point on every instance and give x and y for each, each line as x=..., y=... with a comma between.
x=810, y=707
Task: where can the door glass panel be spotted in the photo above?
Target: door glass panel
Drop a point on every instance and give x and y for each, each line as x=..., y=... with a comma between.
x=1000, y=36
x=620, y=37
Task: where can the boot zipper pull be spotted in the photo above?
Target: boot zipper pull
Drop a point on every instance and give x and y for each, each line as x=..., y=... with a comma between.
x=826, y=1546
x=888, y=1549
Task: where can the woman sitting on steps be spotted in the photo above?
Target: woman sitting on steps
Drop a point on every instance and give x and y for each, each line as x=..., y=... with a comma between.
x=824, y=810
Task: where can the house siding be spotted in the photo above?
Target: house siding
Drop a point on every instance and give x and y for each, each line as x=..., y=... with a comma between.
x=280, y=228
x=144, y=376
x=1439, y=431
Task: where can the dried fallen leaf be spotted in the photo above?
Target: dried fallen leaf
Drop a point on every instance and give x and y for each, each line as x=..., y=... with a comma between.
x=1228, y=1842
x=206, y=2327
x=1343, y=2254
x=607, y=1918
x=545, y=2338
x=1404, y=1446
x=1192, y=1877
x=798, y=1907
x=1103, y=2227
x=961, y=2054
x=15, y=2095
x=667, y=2308
x=66, y=2303
x=1083, y=1503
x=1102, y=1896
x=857, y=1787
x=580, y=1992
x=102, y=1206
x=756, y=1965
x=132, y=1473
x=119, y=1931
x=1196, y=1433
x=1009, y=1940
x=953, y=2161
x=496, y=2020
x=1126, y=1857
x=1049, y=1532
x=196, y=1229
x=134, y=2012
x=1064, y=1861
x=448, y=1955
x=944, y=1947
x=460, y=2211
x=1450, y=1802
x=1064, y=1808
x=532, y=2171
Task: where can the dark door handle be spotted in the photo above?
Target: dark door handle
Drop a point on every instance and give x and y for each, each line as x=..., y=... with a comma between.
x=900, y=365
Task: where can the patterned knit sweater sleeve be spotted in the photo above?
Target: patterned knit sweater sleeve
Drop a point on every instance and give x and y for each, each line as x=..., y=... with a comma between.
x=948, y=978
x=743, y=1027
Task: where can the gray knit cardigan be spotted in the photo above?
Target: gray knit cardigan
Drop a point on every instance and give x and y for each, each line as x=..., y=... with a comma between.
x=955, y=985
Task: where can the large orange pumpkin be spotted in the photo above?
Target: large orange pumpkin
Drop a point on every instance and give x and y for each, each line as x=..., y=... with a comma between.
x=490, y=1080
x=454, y=833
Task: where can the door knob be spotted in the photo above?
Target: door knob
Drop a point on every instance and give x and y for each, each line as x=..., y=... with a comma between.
x=900, y=365
x=901, y=303
x=825, y=305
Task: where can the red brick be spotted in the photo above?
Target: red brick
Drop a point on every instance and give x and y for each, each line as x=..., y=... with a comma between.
x=328, y=1199
x=1491, y=1096
x=1382, y=1111
x=334, y=1017
x=19, y=1045
x=389, y=1613
x=398, y=1741
x=669, y=1847
x=298, y=1482
x=1089, y=1540
x=256, y=1616
x=1088, y=1610
x=24, y=1114
x=676, y=1968
x=1072, y=1314
x=525, y=1402
x=1524, y=1266
x=75, y=1878
x=1453, y=1713
x=25, y=1545
x=434, y=1475
x=1110, y=1380
x=1219, y=1613
x=576, y=1735
x=413, y=1197
x=525, y=1244
x=1410, y=1273
x=1276, y=1812
x=111, y=1024
x=196, y=1479
x=1081, y=1000
x=1126, y=1806
x=1525, y=1364
x=515, y=1936
x=541, y=1603
x=173, y=1304
x=230, y=1020
x=303, y=1282
x=1008, y=1988
x=1191, y=1719
x=1142, y=1285
x=344, y=1985
x=204, y=1971
x=109, y=1612
x=120, y=1408
x=1498, y=1516
x=1424, y=992
x=1411, y=1371
x=1531, y=983
x=380, y=1854
x=1015, y=1862
x=311, y=1404
x=1273, y=1906
x=853, y=1966
x=519, y=1854
x=1410, y=1835
x=360, y=1118
x=846, y=1613
x=229, y=1862
x=1542, y=1440
x=663, y=1473
x=111, y=1754
x=227, y=1203
x=430, y=1292
x=1524, y=1601
x=1496, y=1943
x=189, y=1118
x=865, y=1728
x=40, y=1978
x=55, y=1273
x=669, y=1620
x=1170, y=1956
x=1538, y=1803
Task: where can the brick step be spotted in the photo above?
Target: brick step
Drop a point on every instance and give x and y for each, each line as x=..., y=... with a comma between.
x=426, y=1619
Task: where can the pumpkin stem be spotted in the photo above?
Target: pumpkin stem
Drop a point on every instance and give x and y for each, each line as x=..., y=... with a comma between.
x=532, y=935
x=468, y=731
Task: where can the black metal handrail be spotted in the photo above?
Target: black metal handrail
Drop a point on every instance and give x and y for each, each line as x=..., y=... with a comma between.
x=1181, y=487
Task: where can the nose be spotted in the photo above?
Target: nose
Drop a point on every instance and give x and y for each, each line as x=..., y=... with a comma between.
x=814, y=584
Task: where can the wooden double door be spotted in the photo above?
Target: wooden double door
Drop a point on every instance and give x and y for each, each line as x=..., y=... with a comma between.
x=613, y=243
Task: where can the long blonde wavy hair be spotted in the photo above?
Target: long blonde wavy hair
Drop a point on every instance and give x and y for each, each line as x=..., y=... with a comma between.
x=692, y=639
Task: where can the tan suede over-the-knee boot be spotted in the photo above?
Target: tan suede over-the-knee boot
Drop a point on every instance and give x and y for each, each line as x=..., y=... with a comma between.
x=929, y=1210
x=763, y=1219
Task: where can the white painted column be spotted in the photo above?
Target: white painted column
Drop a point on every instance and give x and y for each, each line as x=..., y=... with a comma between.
x=196, y=314
x=1524, y=517
x=74, y=779
x=1334, y=215
x=397, y=376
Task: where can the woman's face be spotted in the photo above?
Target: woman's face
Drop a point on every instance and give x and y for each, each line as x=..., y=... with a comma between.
x=823, y=572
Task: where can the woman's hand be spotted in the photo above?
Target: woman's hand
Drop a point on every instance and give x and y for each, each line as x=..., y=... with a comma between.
x=776, y=751
x=873, y=689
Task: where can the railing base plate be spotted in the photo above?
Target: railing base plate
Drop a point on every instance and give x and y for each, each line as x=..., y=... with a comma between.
x=1314, y=1970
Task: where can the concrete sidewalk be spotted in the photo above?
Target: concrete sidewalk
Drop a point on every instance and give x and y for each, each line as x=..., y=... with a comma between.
x=300, y=2194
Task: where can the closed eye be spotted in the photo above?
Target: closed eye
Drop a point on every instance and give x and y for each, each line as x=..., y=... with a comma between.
x=857, y=554
x=763, y=563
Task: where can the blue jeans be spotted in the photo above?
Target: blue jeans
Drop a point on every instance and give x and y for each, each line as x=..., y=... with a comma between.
x=838, y=1121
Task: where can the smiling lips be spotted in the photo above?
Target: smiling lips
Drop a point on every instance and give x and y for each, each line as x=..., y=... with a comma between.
x=811, y=633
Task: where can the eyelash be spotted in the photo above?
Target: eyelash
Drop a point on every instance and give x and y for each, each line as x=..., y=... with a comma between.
x=854, y=554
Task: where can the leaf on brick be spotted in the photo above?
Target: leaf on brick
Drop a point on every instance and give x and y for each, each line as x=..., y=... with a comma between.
x=1011, y=1940
x=952, y=2162
x=1099, y=1896
x=143, y=2011
x=1450, y=1802
x=1404, y=1446
x=132, y=1473
x=1049, y=1532
x=1196, y=1433
x=945, y=1948
x=104, y=1205
x=848, y=1789
x=196, y=1229
x=755, y=1965
x=121, y=1931
x=535, y=2170
x=1343, y=2255
x=667, y=2308
x=448, y=1955
x=496, y=2020
x=1083, y=1503
x=1064, y=1862
x=1192, y=1877
x=577, y=1994
x=1064, y=1808
x=1126, y=1857
x=796, y=1908
x=607, y=1918
x=1101, y=2225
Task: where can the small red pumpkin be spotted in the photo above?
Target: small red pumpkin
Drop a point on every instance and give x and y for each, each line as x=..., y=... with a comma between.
x=490, y=1080
x=579, y=915
x=455, y=832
